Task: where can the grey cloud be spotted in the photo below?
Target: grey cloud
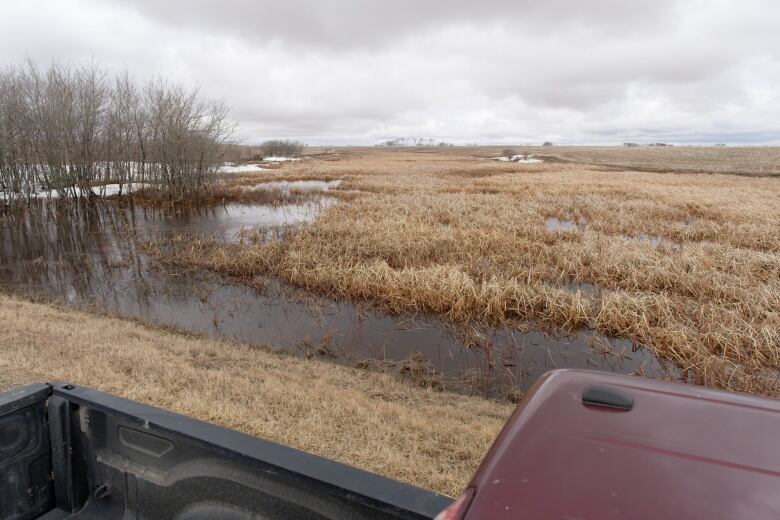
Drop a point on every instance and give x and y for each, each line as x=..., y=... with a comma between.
x=357, y=23
x=495, y=70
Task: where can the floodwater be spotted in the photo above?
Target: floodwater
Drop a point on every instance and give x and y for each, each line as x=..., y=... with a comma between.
x=653, y=240
x=555, y=224
x=288, y=187
x=87, y=255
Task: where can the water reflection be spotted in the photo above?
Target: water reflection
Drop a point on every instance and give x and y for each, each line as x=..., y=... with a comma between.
x=88, y=255
x=298, y=186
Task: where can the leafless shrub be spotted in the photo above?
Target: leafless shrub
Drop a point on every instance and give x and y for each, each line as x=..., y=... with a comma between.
x=68, y=129
x=282, y=148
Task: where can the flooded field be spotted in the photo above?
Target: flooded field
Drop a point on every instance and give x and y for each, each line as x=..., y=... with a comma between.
x=288, y=187
x=554, y=224
x=89, y=256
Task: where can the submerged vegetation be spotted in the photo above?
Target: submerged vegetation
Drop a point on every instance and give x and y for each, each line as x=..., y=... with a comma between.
x=65, y=130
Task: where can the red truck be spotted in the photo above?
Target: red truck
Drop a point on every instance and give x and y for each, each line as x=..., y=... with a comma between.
x=582, y=446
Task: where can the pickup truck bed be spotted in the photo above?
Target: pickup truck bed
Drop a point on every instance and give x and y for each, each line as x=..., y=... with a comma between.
x=582, y=445
x=73, y=452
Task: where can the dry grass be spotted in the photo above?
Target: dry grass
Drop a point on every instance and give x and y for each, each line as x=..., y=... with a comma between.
x=372, y=421
x=217, y=194
x=750, y=161
x=688, y=264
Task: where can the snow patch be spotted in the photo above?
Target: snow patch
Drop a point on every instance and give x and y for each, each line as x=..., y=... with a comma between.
x=241, y=168
x=520, y=159
x=281, y=159
x=106, y=190
x=526, y=159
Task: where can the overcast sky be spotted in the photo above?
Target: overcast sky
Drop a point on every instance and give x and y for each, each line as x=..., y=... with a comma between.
x=487, y=71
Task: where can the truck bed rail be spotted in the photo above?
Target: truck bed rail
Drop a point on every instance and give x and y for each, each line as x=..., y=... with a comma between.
x=73, y=452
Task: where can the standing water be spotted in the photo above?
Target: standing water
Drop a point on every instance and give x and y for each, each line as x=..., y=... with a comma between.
x=88, y=255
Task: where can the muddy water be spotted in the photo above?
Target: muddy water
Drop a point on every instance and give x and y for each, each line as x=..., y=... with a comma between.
x=88, y=256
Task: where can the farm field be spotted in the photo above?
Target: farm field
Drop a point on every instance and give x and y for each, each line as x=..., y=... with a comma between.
x=733, y=160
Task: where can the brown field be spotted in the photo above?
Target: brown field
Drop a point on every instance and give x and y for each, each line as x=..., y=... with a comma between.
x=750, y=161
x=432, y=439
x=758, y=161
x=687, y=265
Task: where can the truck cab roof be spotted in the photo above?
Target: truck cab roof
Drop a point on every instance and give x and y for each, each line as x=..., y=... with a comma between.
x=587, y=445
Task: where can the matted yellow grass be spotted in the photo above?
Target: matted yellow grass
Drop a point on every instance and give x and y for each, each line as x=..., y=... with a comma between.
x=685, y=264
x=369, y=420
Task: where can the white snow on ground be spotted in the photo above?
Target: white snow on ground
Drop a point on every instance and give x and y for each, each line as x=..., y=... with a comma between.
x=241, y=168
x=113, y=189
x=526, y=159
x=107, y=190
x=520, y=159
x=281, y=159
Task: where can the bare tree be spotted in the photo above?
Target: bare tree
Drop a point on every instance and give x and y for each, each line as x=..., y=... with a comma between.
x=71, y=130
x=282, y=148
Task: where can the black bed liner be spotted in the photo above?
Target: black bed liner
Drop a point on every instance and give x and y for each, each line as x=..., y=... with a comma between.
x=73, y=452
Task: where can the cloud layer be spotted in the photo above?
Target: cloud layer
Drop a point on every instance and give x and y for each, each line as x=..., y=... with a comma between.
x=495, y=71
